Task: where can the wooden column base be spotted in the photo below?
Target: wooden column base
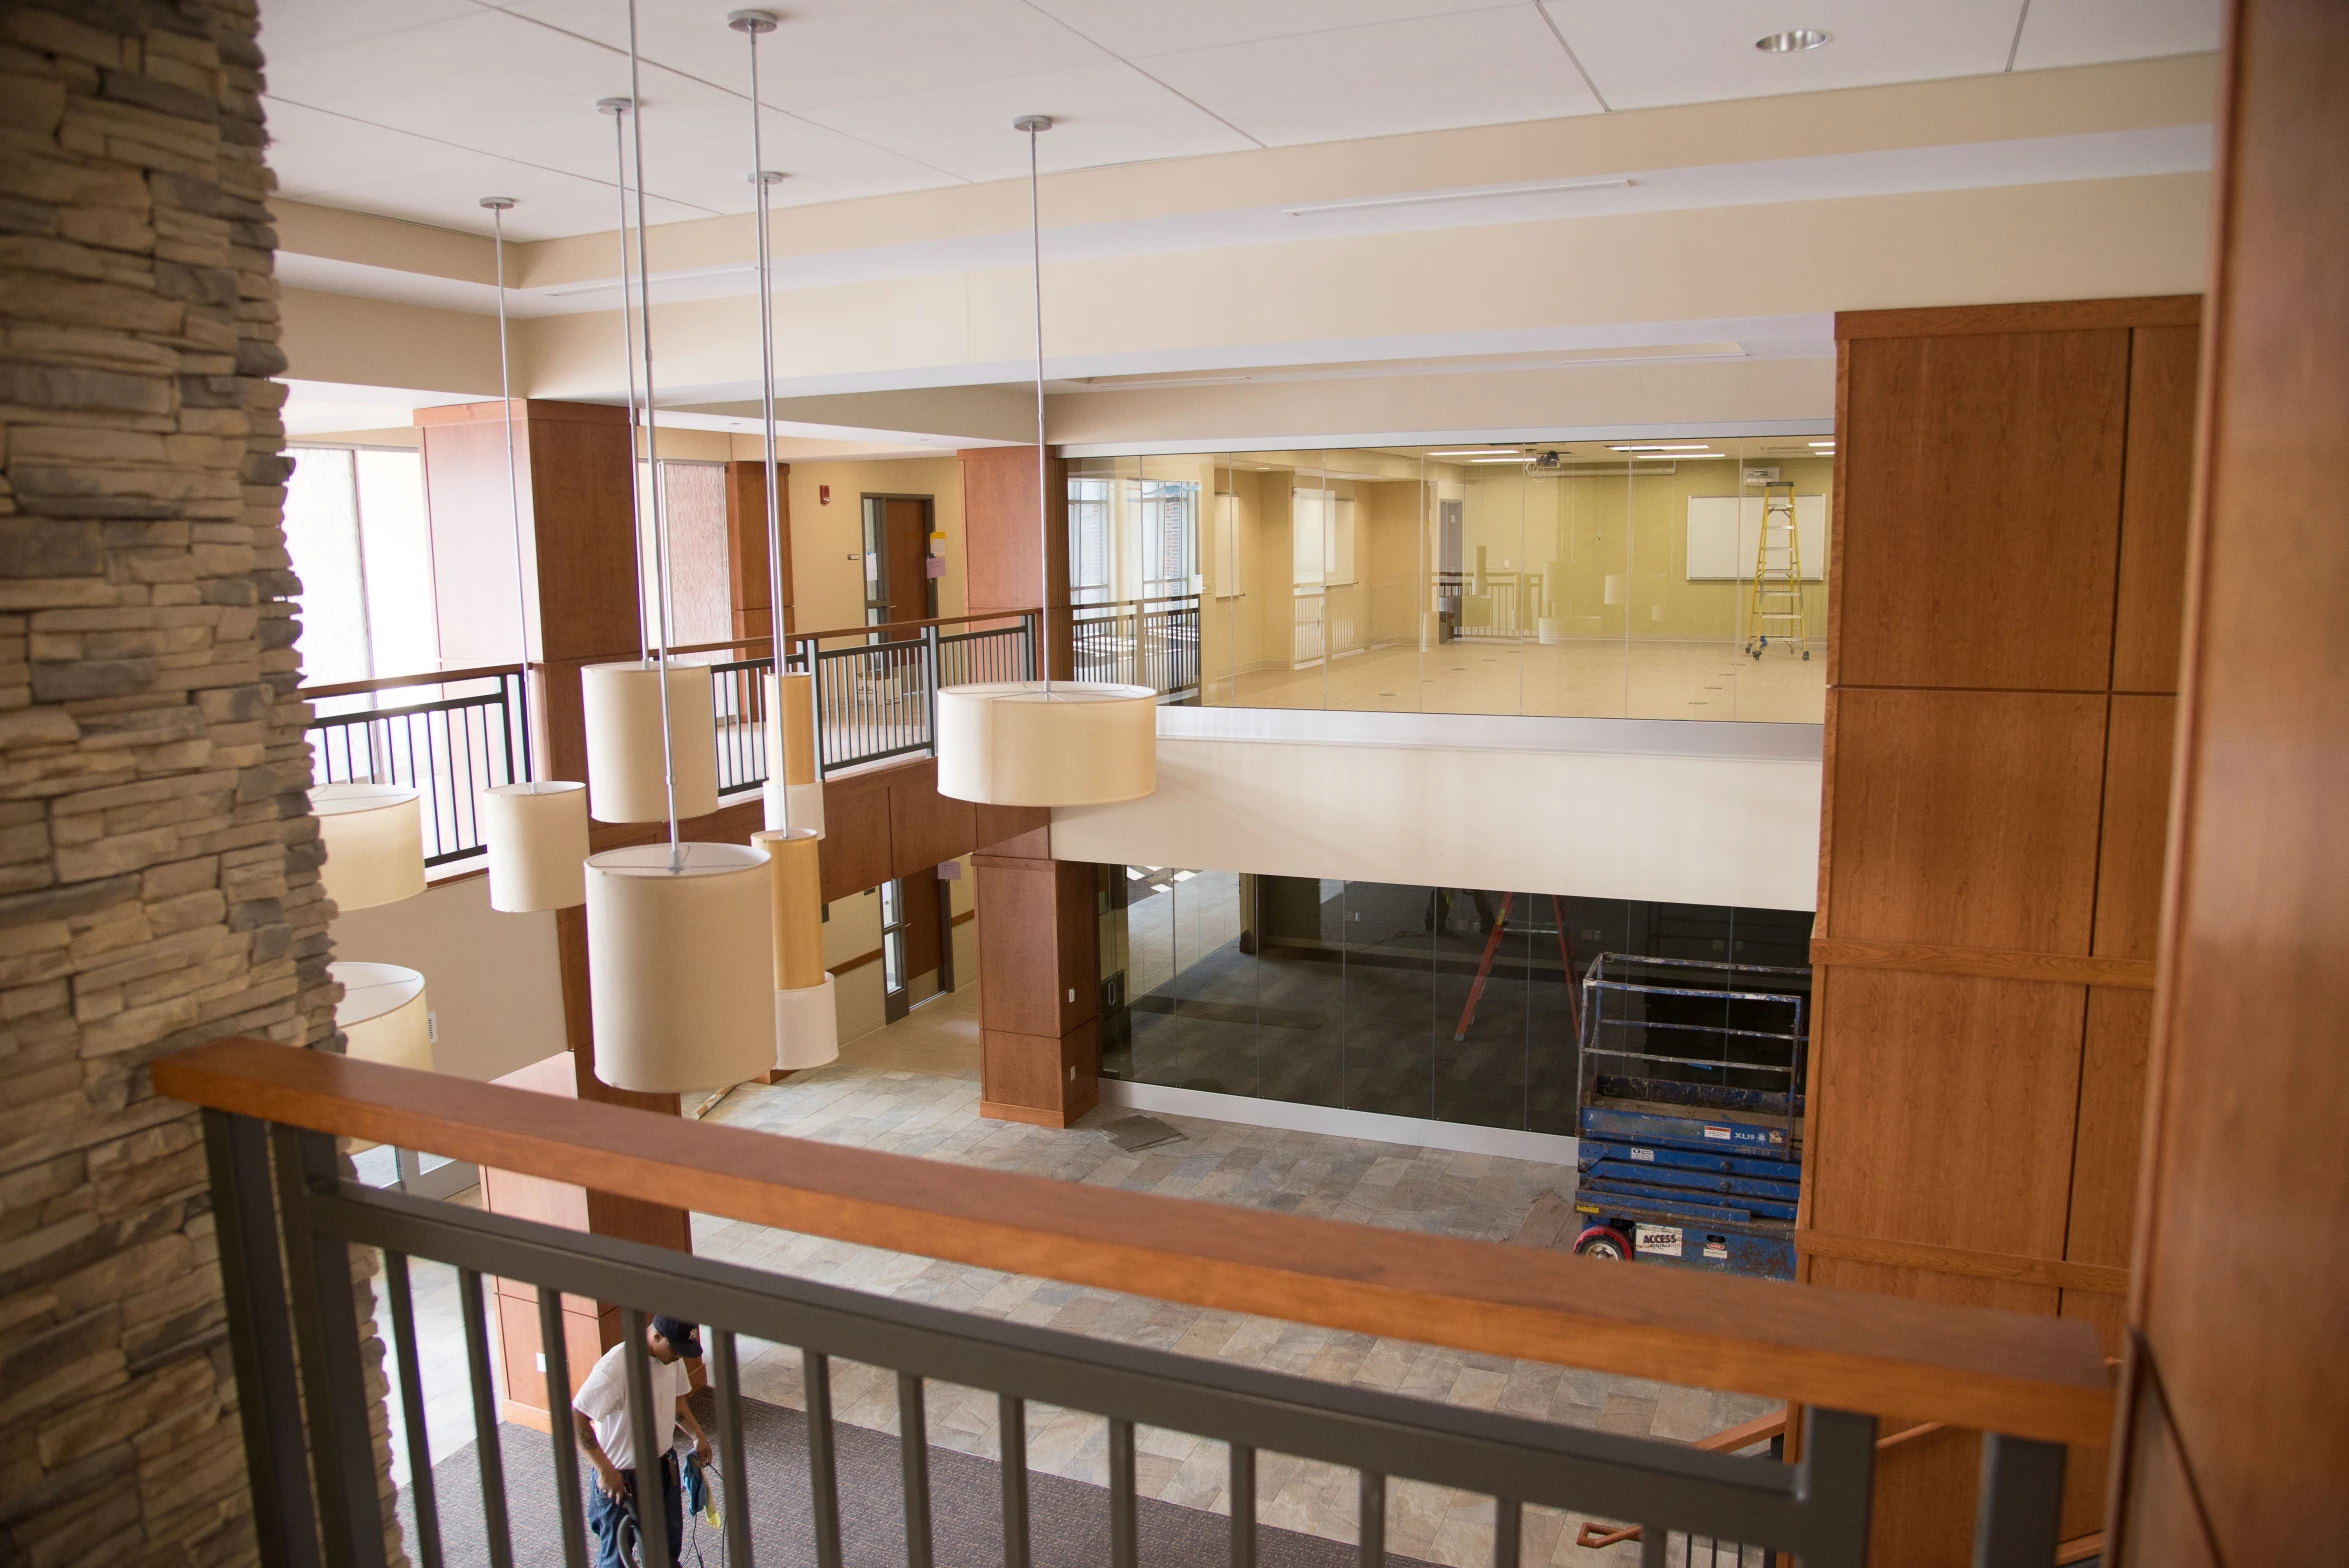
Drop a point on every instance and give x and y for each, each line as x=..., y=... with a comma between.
x=1038, y=1079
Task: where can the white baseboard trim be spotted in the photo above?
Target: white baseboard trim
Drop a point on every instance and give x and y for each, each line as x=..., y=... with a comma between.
x=1419, y=1132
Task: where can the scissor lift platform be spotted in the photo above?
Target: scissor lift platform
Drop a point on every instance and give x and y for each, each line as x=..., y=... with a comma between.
x=1689, y=1157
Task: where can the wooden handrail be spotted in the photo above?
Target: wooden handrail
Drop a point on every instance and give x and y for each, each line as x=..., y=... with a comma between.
x=2035, y=1377
x=845, y=631
x=388, y=682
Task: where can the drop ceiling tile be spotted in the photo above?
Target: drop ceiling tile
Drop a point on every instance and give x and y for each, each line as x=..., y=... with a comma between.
x=2087, y=32
x=1431, y=73
x=1132, y=28
x=1104, y=114
x=292, y=27
x=835, y=51
x=1701, y=51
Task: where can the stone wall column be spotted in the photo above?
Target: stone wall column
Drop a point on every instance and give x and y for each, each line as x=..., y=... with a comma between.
x=158, y=864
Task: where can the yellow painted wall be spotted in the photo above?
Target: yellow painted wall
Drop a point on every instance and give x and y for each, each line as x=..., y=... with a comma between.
x=827, y=541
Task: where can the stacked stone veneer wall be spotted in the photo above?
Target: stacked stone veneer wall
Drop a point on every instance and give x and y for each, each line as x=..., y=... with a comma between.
x=158, y=866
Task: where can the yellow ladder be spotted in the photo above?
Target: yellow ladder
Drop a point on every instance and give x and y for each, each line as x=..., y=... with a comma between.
x=1777, y=612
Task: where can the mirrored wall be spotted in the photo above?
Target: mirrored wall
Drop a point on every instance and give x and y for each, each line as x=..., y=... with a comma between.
x=1661, y=578
x=1450, y=1004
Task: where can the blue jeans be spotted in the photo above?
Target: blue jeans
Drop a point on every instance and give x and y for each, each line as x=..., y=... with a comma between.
x=606, y=1517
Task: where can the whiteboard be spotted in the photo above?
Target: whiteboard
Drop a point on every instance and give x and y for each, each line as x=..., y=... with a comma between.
x=1723, y=530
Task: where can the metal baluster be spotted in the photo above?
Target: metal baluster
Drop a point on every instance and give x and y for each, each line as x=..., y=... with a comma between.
x=554, y=1344
x=731, y=1461
x=2019, y=1513
x=1655, y=1546
x=326, y=1331
x=1508, y=1532
x=1124, y=1525
x=1839, y=1481
x=1243, y=1489
x=1011, y=1425
x=1372, y=1553
x=823, y=1472
x=913, y=1446
x=420, y=1492
x=485, y=1423
x=260, y=1340
x=651, y=1451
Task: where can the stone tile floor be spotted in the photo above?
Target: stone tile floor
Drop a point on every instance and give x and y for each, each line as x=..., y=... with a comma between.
x=913, y=1089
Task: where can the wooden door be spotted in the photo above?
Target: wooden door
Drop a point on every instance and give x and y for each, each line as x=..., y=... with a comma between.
x=897, y=531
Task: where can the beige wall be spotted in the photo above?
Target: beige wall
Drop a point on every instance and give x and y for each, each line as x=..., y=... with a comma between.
x=827, y=585
x=494, y=981
x=1738, y=831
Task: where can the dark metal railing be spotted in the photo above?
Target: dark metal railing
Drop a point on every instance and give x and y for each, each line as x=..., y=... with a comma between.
x=738, y=690
x=1151, y=642
x=474, y=735
x=1816, y=1509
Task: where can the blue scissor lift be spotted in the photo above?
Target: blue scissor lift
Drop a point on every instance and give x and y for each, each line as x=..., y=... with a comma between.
x=1691, y=1112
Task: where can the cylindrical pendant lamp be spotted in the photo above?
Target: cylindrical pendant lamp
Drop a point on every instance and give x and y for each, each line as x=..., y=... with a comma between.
x=374, y=838
x=1022, y=743
x=626, y=779
x=807, y=1027
x=382, y=1015
x=537, y=838
x=681, y=965
x=794, y=795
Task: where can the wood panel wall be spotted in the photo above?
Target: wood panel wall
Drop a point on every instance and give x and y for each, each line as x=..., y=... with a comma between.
x=2002, y=659
x=1039, y=983
x=1001, y=541
x=748, y=580
x=2237, y=1435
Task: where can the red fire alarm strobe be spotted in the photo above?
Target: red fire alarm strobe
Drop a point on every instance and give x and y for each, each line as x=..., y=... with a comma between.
x=823, y=495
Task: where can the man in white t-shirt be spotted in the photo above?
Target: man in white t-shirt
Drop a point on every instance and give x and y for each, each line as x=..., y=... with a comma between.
x=599, y=1416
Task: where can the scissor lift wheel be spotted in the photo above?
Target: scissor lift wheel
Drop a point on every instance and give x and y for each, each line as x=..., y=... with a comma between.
x=1603, y=1241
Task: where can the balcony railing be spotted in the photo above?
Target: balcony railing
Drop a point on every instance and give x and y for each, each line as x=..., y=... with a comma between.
x=448, y=736
x=2032, y=1384
x=1151, y=642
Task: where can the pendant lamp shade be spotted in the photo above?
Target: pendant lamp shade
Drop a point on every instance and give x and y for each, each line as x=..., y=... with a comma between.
x=807, y=1028
x=1021, y=743
x=794, y=795
x=374, y=838
x=537, y=837
x=382, y=1014
x=625, y=769
x=680, y=958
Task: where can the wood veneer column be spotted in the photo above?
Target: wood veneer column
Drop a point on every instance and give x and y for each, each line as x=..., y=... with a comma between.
x=580, y=590
x=1001, y=543
x=2237, y=1438
x=1039, y=983
x=748, y=583
x=2008, y=550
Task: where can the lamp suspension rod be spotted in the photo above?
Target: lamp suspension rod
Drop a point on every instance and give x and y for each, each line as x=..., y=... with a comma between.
x=1034, y=125
x=752, y=24
x=618, y=108
x=498, y=207
x=652, y=453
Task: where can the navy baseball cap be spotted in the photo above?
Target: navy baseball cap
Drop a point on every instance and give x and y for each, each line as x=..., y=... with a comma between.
x=684, y=1337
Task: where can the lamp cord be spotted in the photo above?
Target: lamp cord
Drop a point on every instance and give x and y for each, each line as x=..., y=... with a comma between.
x=652, y=453
x=758, y=175
x=1043, y=503
x=497, y=206
x=618, y=108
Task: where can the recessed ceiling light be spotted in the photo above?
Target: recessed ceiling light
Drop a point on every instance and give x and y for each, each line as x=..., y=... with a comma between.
x=1793, y=41
x=1678, y=457
x=1662, y=446
x=1822, y=443
x=1514, y=457
x=1481, y=451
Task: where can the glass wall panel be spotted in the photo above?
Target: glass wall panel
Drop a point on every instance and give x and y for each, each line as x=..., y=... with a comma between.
x=1463, y=1005
x=1576, y=579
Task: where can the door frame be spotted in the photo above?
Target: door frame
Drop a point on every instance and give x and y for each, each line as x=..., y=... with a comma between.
x=873, y=513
